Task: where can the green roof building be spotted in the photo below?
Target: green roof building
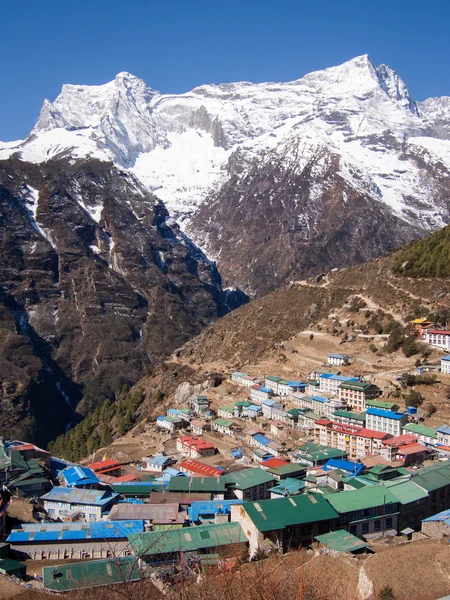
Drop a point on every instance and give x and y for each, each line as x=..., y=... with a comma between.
x=425, y=434
x=93, y=573
x=372, y=403
x=312, y=454
x=249, y=484
x=216, y=486
x=367, y=511
x=155, y=547
x=285, y=522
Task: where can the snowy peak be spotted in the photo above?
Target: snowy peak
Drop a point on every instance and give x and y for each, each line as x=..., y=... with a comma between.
x=395, y=88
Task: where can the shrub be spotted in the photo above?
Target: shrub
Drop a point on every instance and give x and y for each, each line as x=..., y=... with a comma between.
x=414, y=398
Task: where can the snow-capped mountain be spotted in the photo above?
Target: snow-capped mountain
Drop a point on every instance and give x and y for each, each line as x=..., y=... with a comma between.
x=353, y=127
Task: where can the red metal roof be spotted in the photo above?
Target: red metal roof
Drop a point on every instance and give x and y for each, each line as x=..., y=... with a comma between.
x=438, y=332
x=402, y=440
x=193, y=441
x=409, y=449
x=370, y=433
x=104, y=465
x=198, y=468
x=273, y=463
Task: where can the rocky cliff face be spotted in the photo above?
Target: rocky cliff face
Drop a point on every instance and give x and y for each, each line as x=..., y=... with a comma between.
x=96, y=282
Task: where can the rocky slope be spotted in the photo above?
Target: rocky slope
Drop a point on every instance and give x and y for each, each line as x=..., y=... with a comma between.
x=96, y=282
x=271, y=180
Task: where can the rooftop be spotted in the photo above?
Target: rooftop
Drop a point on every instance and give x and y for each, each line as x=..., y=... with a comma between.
x=54, y=532
x=187, y=539
x=278, y=513
x=405, y=491
x=166, y=513
x=420, y=430
x=248, y=478
x=79, y=496
x=341, y=541
x=359, y=386
x=386, y=414
x=197, y=484
x=365, y=497
x=200, y=468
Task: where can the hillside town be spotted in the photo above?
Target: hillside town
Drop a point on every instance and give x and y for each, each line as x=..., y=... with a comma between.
x=330, y=463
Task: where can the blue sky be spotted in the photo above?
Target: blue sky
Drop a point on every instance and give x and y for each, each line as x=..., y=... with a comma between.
x=175, y=45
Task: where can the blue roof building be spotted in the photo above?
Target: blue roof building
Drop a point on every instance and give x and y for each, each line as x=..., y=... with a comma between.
x=387, y=414
x=53, y=532
x=200, y=511
x=79, y=477
x=66, y=503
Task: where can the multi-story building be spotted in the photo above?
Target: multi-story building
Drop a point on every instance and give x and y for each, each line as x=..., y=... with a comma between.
x=271, y=382
x=445, y=364
x=328, y=382
x=426, y=435
x=260, y=393
x=193, y=446
x=238, y=376
x=356, y=394
x=438, y=338
x=338, y=359
x=356, y=441
x=88, y=505
x=385, y=420
x=443, y=433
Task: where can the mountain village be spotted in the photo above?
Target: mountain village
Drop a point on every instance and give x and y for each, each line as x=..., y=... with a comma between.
x=330, y=463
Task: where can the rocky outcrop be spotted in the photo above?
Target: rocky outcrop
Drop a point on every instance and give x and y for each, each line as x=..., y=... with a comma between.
x=96, y=282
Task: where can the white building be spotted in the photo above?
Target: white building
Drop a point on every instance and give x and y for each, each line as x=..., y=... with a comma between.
x=238, y=377
x=90, y=505
x=284, y=389
x=328, y=383
x=338, y=359
x=259, y=394
x=356, y=393
x=443, y=435
x=438, y=338
x=169, y=423
x=445, y=364
x=271, y=382
x=385, y=420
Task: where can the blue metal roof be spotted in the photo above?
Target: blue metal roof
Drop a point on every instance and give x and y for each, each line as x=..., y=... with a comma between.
x=203, y=508
x=441, y=516
x=269, y=402
x=344, y=356
x=158, y=460
x=78, y=476
x=447, y=357
x=387, y=414
x=443, y=429
x=338, y=377
x=343, y=465
x=320, y=398
x=79, y=496
x=265, y=389
x=253, y=407
x=296, y=384
x=262, y=439
x=43, y=532
x=174, y=411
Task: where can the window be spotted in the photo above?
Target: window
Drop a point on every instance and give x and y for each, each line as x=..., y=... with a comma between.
x=365, y=528
x=377, y=525
x=389, y=523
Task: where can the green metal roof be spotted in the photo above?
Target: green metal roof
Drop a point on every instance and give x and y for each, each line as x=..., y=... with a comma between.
x=350, y=415
x=242, y=403
x=341, y=541
x=62, y=578
x=283, y=382
x=288, y=487
x=223, y=422
x=316, y=452
x=287, y=469
x=12, y=567
x=278, y=513
x=366, y=497
x=197, y=484
x=248, y=478
x=406, y=491
x=359, y=386
x=358, y=482
x=228, y=409
x=381, y=404
x=421, y=430
x=187, y=539
x=273, y=378
x=434, y=477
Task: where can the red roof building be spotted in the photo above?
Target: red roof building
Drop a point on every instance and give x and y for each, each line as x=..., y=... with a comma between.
x=199, y=469
x=193, y=446
x=358, y=442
